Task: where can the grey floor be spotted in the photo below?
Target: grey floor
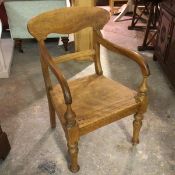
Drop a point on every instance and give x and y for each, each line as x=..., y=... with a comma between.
x=39, y=150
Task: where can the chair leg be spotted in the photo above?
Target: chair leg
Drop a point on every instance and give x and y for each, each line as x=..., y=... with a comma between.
x=73, y=153
x=65, y=41
x=52, y=114
x=18, y=45
x=137, y=124
x=72, y=136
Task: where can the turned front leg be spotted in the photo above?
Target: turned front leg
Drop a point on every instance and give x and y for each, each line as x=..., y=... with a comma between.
x=72, y=136
x=137, y=124
x=138, y=117
x=73, y=153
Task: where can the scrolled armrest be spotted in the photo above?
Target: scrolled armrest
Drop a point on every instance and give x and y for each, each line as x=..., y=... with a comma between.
x=126, y=52
x=63, y=83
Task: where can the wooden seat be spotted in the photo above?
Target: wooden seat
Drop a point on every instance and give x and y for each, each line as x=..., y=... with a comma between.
x=93, y=101
x=96, y=99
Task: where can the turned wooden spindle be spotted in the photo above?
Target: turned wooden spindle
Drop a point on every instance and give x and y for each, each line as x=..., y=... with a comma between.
x=138, y=117
x=72, y=138
x=73, y=152
x=98, y=68
x=70, y=117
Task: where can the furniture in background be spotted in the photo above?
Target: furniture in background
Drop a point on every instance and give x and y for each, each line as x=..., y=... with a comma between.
x=20, y=11
x=6, y=54
x=113, y=8
x=6, y=46
x=3, y=15
x=165, y=47
x=128, y=7
x=151, y=28
x=152, y=11
x=4, y=145
x=102, y=2
x=142, y=16
x=124, y=9
x=88, y=103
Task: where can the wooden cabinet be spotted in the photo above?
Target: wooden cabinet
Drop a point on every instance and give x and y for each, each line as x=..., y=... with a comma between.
x=163, y=35
x=165, y=48
x=171, y=55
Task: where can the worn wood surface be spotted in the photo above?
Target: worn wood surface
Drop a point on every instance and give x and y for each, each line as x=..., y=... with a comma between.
x=77, y=56
x=78, y=18
x=97, y=101
x=91, y=102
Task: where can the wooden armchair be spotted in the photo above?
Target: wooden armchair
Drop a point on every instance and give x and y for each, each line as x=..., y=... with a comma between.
x=91, y=102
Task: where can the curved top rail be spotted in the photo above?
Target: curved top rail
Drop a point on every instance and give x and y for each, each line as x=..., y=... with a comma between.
x=67, y=20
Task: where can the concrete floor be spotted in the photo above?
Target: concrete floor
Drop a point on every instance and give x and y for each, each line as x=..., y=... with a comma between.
x=39, y=150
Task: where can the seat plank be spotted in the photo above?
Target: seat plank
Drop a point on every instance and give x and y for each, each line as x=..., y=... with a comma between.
x=97, y=101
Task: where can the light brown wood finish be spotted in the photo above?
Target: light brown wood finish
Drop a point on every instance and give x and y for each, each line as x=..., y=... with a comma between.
x=97, y=101
x=87, y=17
x=113, y=9
x=90, y=102
x=78, y=56
x=84, y=38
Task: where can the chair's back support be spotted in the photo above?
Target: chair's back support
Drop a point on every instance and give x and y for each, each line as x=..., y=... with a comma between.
x=67, y=20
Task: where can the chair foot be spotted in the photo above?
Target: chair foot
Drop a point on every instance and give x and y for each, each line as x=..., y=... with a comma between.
x=53, y=126
x=73, y=153
x=73, y=169
x=135, y=142
x=52, y=119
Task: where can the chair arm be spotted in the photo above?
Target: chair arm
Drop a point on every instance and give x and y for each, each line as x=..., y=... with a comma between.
x=128, y=53
x=141, y=96
x=63, y=83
